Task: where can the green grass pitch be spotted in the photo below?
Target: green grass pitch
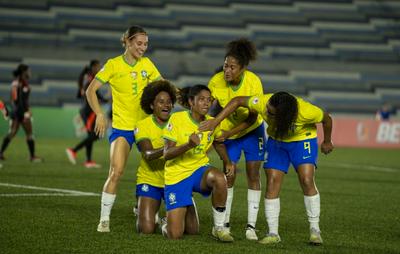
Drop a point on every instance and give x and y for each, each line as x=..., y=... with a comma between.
x=360, y=207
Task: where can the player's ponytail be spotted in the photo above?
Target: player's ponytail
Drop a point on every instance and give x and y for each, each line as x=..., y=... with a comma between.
x=242, y=50
x=20, y=69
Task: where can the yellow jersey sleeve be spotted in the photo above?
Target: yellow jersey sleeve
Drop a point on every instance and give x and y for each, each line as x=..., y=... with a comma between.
x=106, y=72
x=154, y=74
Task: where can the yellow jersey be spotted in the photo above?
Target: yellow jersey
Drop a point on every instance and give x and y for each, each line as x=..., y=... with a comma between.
x=150, y=172
x=179, y=128
x=127, y=83
x=304, y=126
x=223, y=92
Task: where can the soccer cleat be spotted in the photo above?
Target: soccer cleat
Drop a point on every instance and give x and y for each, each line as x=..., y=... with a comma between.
x=270, y=239
x=222, y=234
x=71, y=155
x=104, y=226
x=91, y=164
x=36, y=159
x=315, y=237
x=163, y=227
x=251, y=233
x=136, y=210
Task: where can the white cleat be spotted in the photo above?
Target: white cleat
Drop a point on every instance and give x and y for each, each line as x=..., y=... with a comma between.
x=251, y=233
x=104, y=226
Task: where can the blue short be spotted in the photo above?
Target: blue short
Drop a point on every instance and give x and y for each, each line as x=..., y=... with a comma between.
x=280, y=154
x=128, y=135
x=150, y=191
x=180, y=194
x=252, y=144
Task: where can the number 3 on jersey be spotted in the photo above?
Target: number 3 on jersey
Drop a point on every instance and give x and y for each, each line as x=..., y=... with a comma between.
x=134, y=87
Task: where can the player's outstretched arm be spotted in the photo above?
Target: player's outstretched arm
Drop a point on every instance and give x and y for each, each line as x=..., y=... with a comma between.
x=148, y=152
x=240, y=101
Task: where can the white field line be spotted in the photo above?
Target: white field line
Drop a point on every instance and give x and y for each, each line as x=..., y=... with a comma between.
x=363, y=167
x=58, y=192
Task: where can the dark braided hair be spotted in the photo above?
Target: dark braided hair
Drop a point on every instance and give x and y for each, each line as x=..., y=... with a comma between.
x=286, y=112
x=152, y=90
x=188, y=93
x=242, y=50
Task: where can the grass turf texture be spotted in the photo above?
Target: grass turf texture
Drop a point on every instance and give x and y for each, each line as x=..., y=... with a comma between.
x=359, y=205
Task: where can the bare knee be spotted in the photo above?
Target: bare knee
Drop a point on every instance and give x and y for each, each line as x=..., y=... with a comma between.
x=174, y=234
x=116, y=173
x=307, y=184
x=147, y=226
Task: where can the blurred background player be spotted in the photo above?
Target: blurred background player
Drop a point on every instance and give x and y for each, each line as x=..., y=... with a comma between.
x=235, y=80
x=157, y=100
x=385, y=112
x=87, y=115
x=127, y=74
x=20, y=112
x=292, y=139
x=187, y=169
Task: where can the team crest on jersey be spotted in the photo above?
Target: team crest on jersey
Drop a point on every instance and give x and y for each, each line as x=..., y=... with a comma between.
x=144, y=74
x=172, y=198
x=134, y=74
x=255, y=100
x=169, y=126
x=145, y=188
x=200, y=135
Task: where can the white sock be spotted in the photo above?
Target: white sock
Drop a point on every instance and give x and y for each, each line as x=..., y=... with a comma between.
x=228, y=205
x=272, y=209
x=107, y=202
x=313, y=209
x=219, y=217
x=253, y=203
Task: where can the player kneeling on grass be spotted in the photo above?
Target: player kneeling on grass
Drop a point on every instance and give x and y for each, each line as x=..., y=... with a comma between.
x=187, y=169
x=157, y=100
x=292, y=139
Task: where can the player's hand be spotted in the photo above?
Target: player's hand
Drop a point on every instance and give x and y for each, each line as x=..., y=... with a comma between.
x=195, y=139
x=326, y=147
x=224, y=135
x=208, y=125
x=229, y=169
x=101, y=125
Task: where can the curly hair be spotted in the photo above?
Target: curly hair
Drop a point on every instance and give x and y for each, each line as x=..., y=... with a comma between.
x=242, y=50
x=152, y=90
x=188, y=93
x=286, y=112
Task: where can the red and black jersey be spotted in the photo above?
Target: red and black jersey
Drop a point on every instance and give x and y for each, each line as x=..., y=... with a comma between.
x=20, y=91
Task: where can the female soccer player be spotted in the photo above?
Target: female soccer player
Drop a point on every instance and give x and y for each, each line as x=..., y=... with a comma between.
x=88, y=116
x=157, y=100
x=236, y=80
x=292, y=139
x=187, y=169
x=20, y=113
x=127, y=75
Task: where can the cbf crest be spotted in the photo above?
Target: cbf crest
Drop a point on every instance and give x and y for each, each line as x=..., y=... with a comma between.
x=145, y=188
x=172, y=198
x=144, y=74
